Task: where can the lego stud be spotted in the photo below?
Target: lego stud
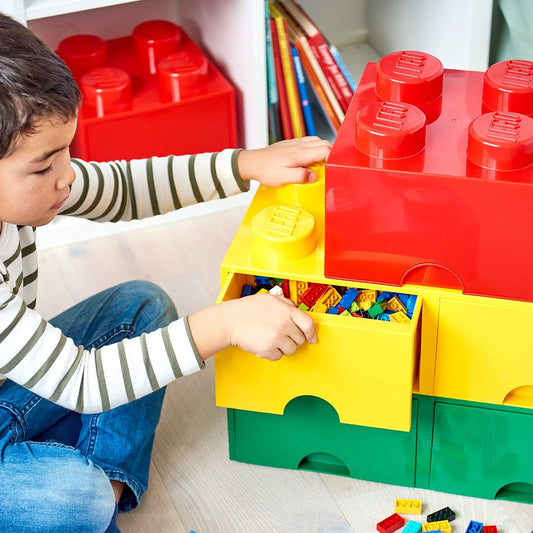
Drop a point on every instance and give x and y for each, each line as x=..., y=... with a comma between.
x=283, y=232
x=501, y=141
x=309, y=196
x=389, y=130
x=153, y=40
x=181, y=74
x=411, y=77
x=508, y=86
x=105, y=91
x=82, y=53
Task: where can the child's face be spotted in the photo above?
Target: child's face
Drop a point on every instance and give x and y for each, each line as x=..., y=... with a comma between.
x=35, y=177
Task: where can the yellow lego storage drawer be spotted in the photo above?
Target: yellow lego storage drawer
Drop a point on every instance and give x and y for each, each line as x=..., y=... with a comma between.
x=484, y=351
x=363, y=367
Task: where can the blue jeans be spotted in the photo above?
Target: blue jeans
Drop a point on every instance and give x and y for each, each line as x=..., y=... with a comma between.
x=55, y=464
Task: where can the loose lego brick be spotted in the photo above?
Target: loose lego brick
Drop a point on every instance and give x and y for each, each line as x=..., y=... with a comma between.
x=395, y=304
x=286, y=288
x=354, y=307
x=490, y=529
x=348, y=298
x=412, y=527
x=400, y=317
x=313, y=293
x=442, y=514
x=263, y=282
x=474, y=527
x=333, y=311
x=443, y=526
x=303, y=307
x=408, y=506
x=377, y=308
x=391, y=523
x=330, y=298
x=247, y=290
x=276, y=290
x=319, y=308
x=296, y=289
x=383, y=316
x=367, y=296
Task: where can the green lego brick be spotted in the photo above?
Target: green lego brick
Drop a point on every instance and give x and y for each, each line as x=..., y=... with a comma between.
x=309, y=436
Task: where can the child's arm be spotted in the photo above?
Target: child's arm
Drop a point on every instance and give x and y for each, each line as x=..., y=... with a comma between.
x=283, y=162
x=265, y=325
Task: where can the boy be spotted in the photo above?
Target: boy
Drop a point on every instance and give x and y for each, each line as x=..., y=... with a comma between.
x=82, y=393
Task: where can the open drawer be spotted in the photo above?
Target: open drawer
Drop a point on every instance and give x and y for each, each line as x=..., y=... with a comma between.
x=363, y=367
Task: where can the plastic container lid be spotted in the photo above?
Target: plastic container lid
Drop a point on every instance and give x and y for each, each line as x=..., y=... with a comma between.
x=501, y=141
x=283, y=233
x=155, y=39
x=508, y=86
x=389, y=130
x=181, y=74
x=409, y=76
x=106, y=90
x=82, y=53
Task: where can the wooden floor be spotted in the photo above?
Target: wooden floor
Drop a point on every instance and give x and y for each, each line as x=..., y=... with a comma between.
x=193, y=485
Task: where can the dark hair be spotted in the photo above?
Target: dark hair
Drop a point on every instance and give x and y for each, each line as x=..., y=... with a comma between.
x=34, y=83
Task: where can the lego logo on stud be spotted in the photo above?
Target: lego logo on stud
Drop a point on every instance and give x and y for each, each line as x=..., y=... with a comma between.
x=409, y=76
x=283, y=232
x=389, y=130
x=410, y=64
x=508, y=86
x=518, y=74
x=501, y=141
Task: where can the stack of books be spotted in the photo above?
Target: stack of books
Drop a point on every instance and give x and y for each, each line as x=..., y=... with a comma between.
x=309, y=86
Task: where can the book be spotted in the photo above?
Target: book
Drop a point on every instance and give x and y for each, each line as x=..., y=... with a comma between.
x=344, y=69
x=320, y=94
x=285, y=118
x=289, y=75
x=304, y=96
x=274, y=122
x=315, y=74
x=321, y=49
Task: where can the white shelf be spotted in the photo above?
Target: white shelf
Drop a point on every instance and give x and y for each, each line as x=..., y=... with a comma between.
x=36, y=9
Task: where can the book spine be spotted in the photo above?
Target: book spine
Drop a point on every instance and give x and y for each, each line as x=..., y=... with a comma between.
x=318, y=88
x=322, y=80
x=330, y=68
x=343, y=68
x=286, y=123
x=290, y=78
x=274, y=122
x=304, y=97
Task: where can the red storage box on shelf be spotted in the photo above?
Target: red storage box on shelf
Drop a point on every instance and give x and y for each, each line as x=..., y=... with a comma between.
x=430, y=180
x=153, y=93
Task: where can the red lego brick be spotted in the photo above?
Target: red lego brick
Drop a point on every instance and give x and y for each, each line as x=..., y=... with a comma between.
x=313, y=293
x=490, y=529
x=390, y=524
x=440, y=192
x=152, y=93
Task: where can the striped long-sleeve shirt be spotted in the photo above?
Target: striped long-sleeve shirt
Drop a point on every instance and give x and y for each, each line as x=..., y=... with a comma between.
x=37, y=355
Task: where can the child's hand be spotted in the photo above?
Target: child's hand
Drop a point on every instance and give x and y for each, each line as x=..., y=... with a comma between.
x=265, y=325
x=283, y=162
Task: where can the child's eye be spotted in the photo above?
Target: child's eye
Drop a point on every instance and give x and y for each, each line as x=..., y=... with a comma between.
x=44, y=170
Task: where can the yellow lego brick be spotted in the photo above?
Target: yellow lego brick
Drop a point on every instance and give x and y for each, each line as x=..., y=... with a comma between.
x=443, y=526
x=400, y=316
x=408, y=506
x=330, y=298
x=319, y=308
x=296, y=289
x=395, y=304
x=368, y=296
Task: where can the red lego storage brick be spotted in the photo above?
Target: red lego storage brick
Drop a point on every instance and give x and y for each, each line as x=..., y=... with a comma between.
x=151, y=93
x=430, y=180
